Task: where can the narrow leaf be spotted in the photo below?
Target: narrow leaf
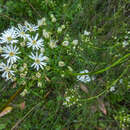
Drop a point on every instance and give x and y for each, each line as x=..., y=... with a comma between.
x=6, y=111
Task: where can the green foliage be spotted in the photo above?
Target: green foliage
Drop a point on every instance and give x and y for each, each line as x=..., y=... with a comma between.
x=101, y=52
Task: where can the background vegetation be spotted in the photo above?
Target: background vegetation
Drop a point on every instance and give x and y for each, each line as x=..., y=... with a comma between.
x=101, y=109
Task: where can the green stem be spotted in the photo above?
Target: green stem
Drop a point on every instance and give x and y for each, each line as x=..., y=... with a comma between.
x=12, y=98
x=106, y=90
x=105, y=69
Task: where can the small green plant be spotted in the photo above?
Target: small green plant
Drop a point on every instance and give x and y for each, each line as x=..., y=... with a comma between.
x=68, y=64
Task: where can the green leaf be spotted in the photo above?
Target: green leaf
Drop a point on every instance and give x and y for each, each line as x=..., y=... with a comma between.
x=2, y=126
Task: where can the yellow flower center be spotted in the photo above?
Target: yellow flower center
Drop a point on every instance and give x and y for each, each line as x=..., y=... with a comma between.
x=7, y=69
x=34, y=42
x=30, y=29
x=9, y=38
x=11, y=54
x=37, y=61
x=22, y=33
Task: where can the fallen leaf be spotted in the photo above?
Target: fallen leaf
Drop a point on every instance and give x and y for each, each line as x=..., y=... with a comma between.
x=6, y=111
x=22, y=105
x=47, y=79
x=84, y=88
x=14, y=85
x=102, y=106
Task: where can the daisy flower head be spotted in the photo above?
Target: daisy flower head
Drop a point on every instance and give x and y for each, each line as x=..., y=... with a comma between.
x=59, y=30
x=112, y=89
x=39, y=61
x=125, y=43
x=84, y=78
x=53, y=19
x=6, y=69
x=31, y=27
x=75, y=42
x=65, y=43
x=41, y=22
x=42, y=50
x=9, y=36
x=35, y=43
x=86, y=33
x=52, y=44
x=21, y=31
x=45, y=34
x=61, y=63
x=10, y=53
x=63, y=26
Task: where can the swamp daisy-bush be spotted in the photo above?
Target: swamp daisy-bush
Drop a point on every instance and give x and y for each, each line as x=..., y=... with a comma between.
x=38, y=48
x=51, y=70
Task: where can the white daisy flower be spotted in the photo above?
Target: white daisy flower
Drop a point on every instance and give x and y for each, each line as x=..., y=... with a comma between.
x=41, y=22
x=63, y=26
x=31, y=27
x=59, y=30
x=39, y=84
x=53, y=19
x=84, y=78
x=86, y=33
x=65, y=43
x=21, y=31
x=10, y=53
x=35, y=43
x=9, y=36
x=7, y=72
x=52, y=44
x=46, y=34
x=42, y=50
x=38, y=61
x=125, y=43
x=112, y=89
x=61, y=63
x=51, y=15
x=75, y=42
x=70, y=69
x=121, y=81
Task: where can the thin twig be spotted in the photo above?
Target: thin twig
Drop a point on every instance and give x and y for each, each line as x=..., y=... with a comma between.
x=19, y=121
x=33, y=8
x=12, y=98
x=3, y=15
x=47, y=94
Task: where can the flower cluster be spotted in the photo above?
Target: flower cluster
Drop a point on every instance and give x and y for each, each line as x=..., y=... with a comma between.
x=84, y=78
x=123, y=118
x=29, y=49
x=16, y=42
x=71, y=97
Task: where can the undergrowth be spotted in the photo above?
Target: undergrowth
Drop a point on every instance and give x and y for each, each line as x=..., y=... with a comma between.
x=84, y=84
